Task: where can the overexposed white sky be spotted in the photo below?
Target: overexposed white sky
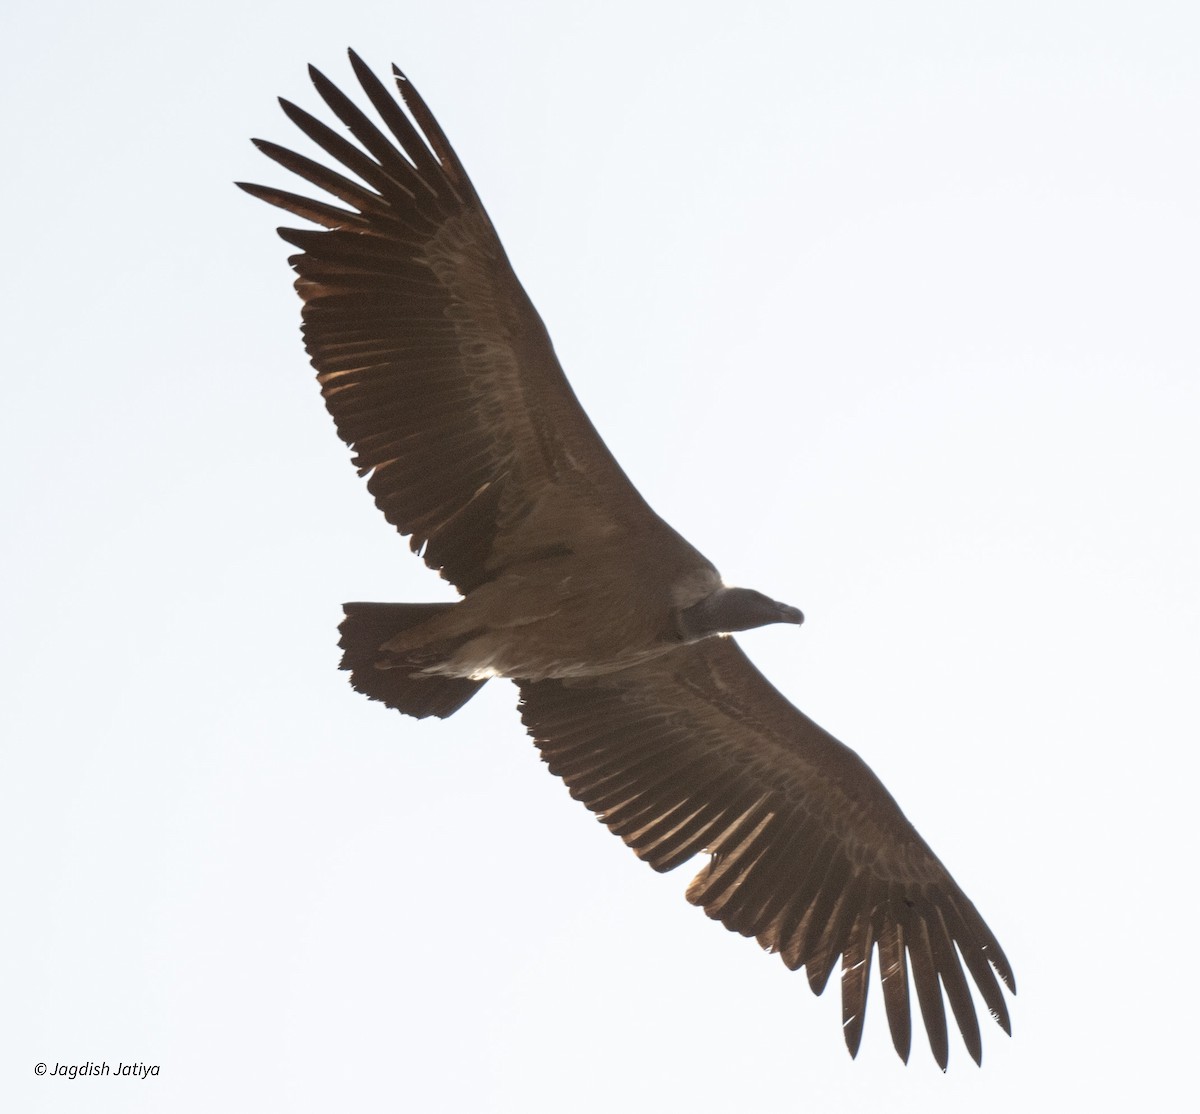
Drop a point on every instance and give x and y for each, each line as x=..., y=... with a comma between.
x=891, y=309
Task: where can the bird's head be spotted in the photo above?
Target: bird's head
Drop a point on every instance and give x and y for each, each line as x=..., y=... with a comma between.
x=733, y=609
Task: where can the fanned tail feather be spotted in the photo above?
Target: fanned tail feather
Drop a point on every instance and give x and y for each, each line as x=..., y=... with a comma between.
x=366, y=628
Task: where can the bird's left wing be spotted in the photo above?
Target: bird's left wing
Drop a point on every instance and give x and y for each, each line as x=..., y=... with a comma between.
x=432, y=361
x=697, y=751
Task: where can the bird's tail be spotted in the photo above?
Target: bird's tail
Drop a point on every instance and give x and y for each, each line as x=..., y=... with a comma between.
x=366, y=628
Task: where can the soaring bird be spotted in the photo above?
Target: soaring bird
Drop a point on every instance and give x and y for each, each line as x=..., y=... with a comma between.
x=441, y=377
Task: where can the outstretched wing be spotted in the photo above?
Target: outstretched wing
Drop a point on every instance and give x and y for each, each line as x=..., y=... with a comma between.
x=696, y=751
x=433, y=362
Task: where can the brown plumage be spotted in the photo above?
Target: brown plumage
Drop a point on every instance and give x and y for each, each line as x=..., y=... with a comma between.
x=440, y=375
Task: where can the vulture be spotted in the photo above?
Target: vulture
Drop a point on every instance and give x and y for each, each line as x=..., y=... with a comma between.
x=441, y=377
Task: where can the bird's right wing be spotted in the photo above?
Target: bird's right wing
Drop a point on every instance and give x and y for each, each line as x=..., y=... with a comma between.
x=433, y=362
x=697, y=751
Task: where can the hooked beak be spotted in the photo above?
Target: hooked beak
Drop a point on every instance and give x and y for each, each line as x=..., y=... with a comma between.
x=788, y=614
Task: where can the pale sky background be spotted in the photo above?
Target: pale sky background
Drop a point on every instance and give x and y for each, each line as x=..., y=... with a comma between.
x=891, y=309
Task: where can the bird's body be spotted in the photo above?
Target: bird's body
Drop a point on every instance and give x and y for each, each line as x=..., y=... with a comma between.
x=560, y=616
x=439, y=373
